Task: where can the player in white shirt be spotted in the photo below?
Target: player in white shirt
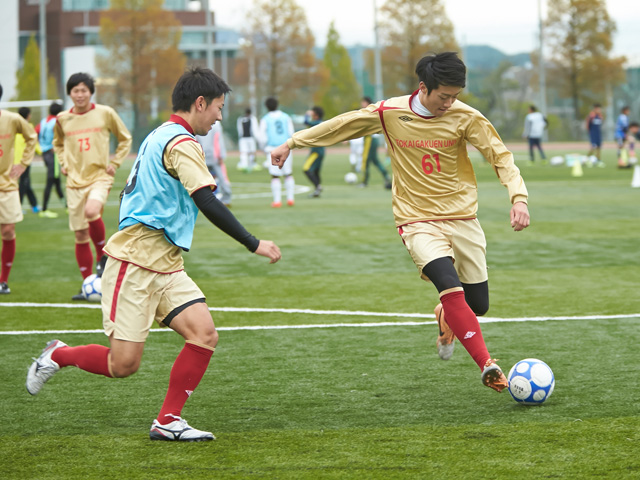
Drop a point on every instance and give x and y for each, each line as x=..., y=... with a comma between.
x=275, y=128
x=247, y=126
x=534, y=126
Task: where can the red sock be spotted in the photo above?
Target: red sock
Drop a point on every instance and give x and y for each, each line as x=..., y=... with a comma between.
x=84, y=257
x=97, y=233
x=186, y=374
x=465, y=326
x=90, y=358
x=8, y=254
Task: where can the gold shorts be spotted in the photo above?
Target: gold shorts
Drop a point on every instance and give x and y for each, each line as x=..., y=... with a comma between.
x=10, y=208
x=134, y=297
x=462, y=240
x=77, y=199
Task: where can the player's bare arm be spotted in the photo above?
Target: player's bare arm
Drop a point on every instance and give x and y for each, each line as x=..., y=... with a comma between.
x=268, y=249
x=519, y=216
x=280, y=154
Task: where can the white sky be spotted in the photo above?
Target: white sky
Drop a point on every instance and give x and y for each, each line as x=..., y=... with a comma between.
x=508, y=25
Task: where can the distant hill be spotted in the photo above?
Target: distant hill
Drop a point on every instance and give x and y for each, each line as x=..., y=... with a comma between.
x=484, y=57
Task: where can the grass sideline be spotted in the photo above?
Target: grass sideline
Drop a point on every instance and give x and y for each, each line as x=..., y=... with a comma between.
x=351, y=403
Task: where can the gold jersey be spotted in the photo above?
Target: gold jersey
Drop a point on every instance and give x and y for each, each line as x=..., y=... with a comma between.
x=433, y=178
x=81, y=141
x=146, y=247
x=10, y=125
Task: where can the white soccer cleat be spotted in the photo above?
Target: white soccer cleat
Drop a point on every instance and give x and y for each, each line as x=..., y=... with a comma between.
x=178, y=431
x=43, y=368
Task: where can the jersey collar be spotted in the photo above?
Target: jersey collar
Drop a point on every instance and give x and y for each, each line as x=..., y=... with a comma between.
x=181, y=121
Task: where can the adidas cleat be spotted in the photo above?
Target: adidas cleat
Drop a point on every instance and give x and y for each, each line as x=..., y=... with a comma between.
x=178, y=431
x=43, y=368
x=446, y=338
x=493, y=377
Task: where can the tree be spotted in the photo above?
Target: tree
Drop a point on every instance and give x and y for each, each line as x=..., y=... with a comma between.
x=144, y=61
x=28, y=77
x=286, y=66
x=341, y=91
x=410, y=29
x=579, y=33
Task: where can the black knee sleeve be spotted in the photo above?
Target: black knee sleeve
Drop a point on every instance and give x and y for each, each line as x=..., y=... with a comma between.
x=442, y=273
x=477, y=297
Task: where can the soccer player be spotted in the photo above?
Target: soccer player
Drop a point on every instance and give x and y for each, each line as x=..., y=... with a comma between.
x=81, y=140
x=275, y=127
x=313, y=164
x=594, y=127
x=247, y=126
x=534, y=125
x=24, y=183
x=620, y=134
x=144, y=278
x=435, y=193
x=11, y=124
x=45, y=137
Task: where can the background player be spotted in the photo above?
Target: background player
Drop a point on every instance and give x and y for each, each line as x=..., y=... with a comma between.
x=11, y=124
x=313, y=163
x=275, y=127
x=24, y=183
x=144, y=278
x=81, y=140
x=435, y=192
x=215, y=152
x=534, y=126
x=45, y=137
x=247, y=126
x=620, y=134
x=594, y=128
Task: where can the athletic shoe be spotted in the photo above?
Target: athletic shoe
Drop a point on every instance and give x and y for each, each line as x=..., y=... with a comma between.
x=276, y=204
x=316, y=193
x=493, y=377
x=178, y=431
x=291, y=203
x=47, y=214
x=4, y=288
x=446, y=338
x=100, y=265
x=43, y=368
x=79, y=297
x=35, y=209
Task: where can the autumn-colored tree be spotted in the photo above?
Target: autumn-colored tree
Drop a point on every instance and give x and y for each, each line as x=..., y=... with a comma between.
x=28, y=77
x=144, y=61
x=579, y=33
x=410, y=29
x=341, y=91
x=282, y=43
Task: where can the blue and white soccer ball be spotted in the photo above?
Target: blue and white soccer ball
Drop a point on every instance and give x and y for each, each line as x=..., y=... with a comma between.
x=92, y=288
x=531, y=381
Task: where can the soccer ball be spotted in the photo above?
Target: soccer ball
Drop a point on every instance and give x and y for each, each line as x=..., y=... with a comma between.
x=92, y=288
x=531, y=381
x=351, y=178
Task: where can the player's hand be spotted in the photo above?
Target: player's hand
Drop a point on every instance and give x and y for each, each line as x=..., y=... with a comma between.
x=280, y=154
x=519, y=216
x=111, y=170
x=17, y=170
x=63, y=170
x=268, y=249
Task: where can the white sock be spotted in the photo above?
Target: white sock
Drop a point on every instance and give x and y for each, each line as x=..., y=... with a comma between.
x=276, y=190
x=289, y=186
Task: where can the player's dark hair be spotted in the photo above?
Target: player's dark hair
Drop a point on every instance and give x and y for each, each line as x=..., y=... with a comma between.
x=634, y=124
x=319, y=111
x=626, y=107
x=24, y=112
x=0, y=91
x=271, y=103
x=368, y=100
x=78, y=78
x=597, y=105
x=441, y=69
x=247, y=111
x=55, y=108
x=194, y=83
x=533, y=108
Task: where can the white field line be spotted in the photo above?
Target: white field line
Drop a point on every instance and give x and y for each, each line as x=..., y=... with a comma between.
x=302, y=311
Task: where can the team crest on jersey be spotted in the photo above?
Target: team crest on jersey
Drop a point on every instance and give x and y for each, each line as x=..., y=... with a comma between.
x=404, y=118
